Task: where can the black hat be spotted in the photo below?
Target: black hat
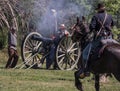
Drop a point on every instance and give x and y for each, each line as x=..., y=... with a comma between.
x=100, y=6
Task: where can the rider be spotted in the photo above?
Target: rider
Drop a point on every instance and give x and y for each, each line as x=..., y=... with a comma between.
x=101, y=24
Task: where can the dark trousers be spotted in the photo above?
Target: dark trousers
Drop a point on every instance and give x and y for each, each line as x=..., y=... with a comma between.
x=51, y=45
x=92, y=48
x=13, y=58
x=50, y=59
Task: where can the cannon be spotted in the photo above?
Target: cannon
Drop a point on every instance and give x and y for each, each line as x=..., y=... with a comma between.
x=67, y=52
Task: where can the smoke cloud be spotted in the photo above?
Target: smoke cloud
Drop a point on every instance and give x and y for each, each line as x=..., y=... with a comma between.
x=55, y=13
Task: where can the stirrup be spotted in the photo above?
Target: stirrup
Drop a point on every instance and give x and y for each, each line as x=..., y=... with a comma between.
x=87, y=74
x=82, y=75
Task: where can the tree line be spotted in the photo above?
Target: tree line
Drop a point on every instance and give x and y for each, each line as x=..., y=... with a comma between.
x=19, y=14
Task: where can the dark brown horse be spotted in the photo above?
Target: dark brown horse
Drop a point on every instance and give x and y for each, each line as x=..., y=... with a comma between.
x=109, y=62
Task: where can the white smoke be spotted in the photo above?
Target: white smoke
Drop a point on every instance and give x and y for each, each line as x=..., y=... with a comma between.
x=55, y=13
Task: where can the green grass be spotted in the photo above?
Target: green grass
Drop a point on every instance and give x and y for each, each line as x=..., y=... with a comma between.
x=44, y=80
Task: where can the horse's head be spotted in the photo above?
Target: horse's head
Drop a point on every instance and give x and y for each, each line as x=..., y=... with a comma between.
x=79, y=30
x=76, y=36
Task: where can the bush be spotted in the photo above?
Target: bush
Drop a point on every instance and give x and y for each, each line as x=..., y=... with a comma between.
x=3, y=39
x=116, y=32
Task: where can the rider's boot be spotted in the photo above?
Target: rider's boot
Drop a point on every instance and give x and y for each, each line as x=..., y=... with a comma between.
x=87, y=71
x=84, y=72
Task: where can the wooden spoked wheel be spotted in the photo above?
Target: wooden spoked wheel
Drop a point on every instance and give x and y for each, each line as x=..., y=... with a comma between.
x=31, y=50
x=67, y=53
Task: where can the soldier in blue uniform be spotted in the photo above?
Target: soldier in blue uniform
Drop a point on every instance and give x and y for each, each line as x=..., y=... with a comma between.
x=56, y=39
x=101, y=24
x=52, y=43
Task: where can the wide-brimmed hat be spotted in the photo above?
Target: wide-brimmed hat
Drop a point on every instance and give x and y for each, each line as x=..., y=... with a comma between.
x=100, y=6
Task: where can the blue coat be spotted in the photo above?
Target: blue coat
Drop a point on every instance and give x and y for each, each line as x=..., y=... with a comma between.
x=95, y=24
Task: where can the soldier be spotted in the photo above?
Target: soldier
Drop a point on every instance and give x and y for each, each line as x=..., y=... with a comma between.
x=101, y=24
x=56, y=38
x=52, y=43
x=12, y=49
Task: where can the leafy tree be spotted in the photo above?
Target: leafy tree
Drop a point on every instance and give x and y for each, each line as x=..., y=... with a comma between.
x=113, y=7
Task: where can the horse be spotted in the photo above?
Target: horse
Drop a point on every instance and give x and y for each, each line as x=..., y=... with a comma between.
x=109, y=61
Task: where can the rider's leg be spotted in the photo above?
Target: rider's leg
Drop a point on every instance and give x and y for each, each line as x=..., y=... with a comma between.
x=85, y=57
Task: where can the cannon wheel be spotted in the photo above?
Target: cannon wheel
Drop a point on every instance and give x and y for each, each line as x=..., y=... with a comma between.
x=29, y=51
x=67, y=53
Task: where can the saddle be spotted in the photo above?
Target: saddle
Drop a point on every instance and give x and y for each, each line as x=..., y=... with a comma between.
x=105, y=43
x=97, y=52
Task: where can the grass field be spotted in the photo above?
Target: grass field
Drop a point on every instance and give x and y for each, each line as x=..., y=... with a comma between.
x=44, y=80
